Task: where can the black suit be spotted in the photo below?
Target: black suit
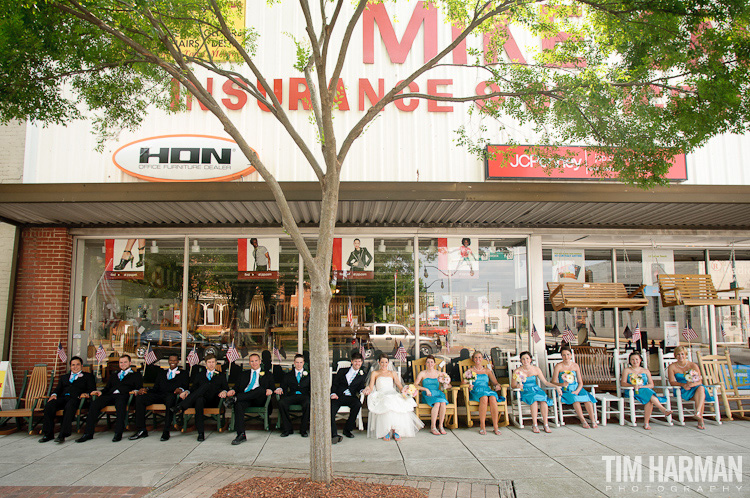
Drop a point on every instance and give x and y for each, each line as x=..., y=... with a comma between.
x=131, y=382
x=204, y=393
x=254, y=397
x=68, y=399
x=162, y=392
x=339, y=388
x=295, y=393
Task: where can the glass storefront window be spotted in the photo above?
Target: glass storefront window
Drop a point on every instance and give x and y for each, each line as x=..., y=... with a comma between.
x=731, y=270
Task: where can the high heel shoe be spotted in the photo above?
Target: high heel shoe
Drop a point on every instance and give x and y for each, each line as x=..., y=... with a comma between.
x=124, y=261
x=141, y=256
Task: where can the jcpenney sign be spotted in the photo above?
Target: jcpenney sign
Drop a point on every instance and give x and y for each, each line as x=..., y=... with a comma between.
x=182, y=158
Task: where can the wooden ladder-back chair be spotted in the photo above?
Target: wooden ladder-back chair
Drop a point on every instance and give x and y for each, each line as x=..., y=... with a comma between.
x=688, y=408
x=717, y=370
x=29, y=404
x=451, y=408
x=635, y=409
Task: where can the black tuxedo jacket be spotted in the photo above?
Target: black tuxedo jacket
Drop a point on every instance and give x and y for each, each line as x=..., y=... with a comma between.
x=131, y=382
x=211, y=387
x=85, y=383
x=340, y=385
x=290, y=385
x=166, y=386
x=264, y=382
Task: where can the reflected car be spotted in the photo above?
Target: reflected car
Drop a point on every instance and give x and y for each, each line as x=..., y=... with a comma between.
x=387, y=336
x=167, y=342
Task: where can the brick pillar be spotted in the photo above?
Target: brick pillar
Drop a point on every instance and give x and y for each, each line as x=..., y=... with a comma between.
x=42, y=298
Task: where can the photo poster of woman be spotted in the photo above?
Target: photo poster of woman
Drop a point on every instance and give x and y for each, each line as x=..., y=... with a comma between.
x=353, y=258
x=258, y=258
x=655, y=262
x=458, y=257
x=568, y=265
x=125, y=258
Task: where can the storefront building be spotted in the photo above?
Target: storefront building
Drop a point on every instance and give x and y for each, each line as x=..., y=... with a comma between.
x=168, y=239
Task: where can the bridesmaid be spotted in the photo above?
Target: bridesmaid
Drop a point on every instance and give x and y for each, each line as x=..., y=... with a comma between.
x=644, y=392
x=432, y=395
x=482, y=393
x=568, y=373
x=528, y=377
x=689, y=383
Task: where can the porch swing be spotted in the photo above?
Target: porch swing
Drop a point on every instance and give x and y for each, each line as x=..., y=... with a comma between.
x=695, y=290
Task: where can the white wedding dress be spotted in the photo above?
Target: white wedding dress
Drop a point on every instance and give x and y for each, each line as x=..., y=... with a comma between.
x=389, y=410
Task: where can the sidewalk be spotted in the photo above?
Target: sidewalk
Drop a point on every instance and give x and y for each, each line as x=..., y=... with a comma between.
x=567, y=462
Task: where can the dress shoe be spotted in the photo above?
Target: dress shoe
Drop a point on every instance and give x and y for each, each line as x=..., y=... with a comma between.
x=303, y=433
x=286, y=433
x=164, y=436
x=239, y=440
x=84, y=438
x=45, y=438
x=138, y=435
x=116, y=438
x=348, y=434
x=60, y=439
x=336, y=439
x=201, y=437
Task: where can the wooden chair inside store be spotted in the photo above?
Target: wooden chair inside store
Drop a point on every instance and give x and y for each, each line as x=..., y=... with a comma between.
x=718, y=370
x=692, y=290
x=451, y=408
x=472, y=407
x=594, y=296
x=29, y=403
x=597, y=367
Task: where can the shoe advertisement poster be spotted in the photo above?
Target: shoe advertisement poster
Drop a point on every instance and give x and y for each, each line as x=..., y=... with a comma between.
x=258, y=258
x=353, y=258
x=568, y=265
x=126, y=258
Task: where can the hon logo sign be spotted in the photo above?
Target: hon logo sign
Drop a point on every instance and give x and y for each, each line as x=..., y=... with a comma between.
x=183, y=158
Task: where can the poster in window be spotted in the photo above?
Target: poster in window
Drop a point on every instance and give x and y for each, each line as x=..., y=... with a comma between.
x=568, y=265
x=125, y=258
x=258, y=258
x=353, y=258
x=458, y=257
x=655, y=262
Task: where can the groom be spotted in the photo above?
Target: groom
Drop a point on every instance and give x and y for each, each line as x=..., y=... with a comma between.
x=345, y=389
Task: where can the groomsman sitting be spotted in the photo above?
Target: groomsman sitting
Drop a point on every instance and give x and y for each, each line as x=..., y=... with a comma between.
x=251, y=389
x=169, y=385
x=295, y=388
x=207, y=391
x=71, y=388
x=119, y=388
x=347, y=383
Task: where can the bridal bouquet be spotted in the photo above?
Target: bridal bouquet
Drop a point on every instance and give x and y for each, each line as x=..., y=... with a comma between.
x=444, y=380
x=693, y=376
x=636, y=380
x=409, y=390
x=568, y=377
x=470, y=376
x=519, y=377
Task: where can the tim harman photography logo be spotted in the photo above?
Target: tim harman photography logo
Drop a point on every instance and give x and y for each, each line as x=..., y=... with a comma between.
x=659, y=473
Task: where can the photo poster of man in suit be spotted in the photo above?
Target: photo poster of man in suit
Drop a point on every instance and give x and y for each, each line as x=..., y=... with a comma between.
x=125, y=258
x=458, y=257
x=258, y=258
x=353, y=258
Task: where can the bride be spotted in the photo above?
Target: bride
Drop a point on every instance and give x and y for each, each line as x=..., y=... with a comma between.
x=389, y=411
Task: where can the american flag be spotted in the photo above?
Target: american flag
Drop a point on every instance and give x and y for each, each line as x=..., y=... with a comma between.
x=150, y=356
x=232, y=354
x=192, y=357
x=535, y=334
x=568, y=335
x=689, y=334
x=61, y=353
x=100, y=354
x=350, y=314
x=637, y=332
x=276, y=352
x=723, y=332
x=401, y=352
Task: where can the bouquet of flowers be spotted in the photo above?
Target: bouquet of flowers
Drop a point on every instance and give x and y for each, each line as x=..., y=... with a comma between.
x=470, y=376
x=444, y=380
x=568, y=377
x=636, y=380
x=519, y=377
x=409, y=390
x=693, y=376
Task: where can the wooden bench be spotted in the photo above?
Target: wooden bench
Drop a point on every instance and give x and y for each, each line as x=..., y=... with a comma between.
x=691, y=290
x=594, y=296
x=717, y=369
x=597, y=367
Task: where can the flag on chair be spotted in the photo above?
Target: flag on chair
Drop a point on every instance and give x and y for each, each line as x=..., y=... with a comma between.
x=63, y=356
x=568, y=335
x=637, y=332
x=276, y=352
x=100, y=354
x=723, y=332
x=350, y=314
x=401, y=352
x=535, y=334
x=232, y=354
x=150, y=356
x=689, y=334
x=192, y=357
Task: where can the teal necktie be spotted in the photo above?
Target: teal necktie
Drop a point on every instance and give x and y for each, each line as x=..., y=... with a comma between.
x=299, y=376
x=121, y=374
x=252, y=382
x=170, y=375
x=73, y=377
x=209, y=375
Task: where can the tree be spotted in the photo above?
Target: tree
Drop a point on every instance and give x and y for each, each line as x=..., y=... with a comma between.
x=637, y=80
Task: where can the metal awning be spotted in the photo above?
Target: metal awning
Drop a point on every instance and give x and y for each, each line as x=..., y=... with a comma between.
x=399, y=204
